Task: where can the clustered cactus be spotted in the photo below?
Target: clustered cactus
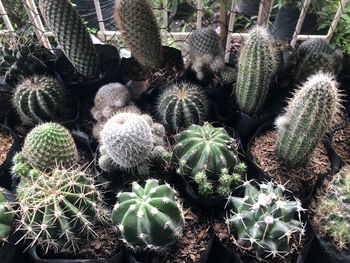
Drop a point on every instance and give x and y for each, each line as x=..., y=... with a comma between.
x=39, y=99
x=140, y=31
x=209, y=155
x=181, y=105
x=70, y=32
x=7, y=216
x=46, y=146
x=129, y=141
x=310, y=114
x=257, y=64
x=59, y=210
x=149, y=217
x=265, y=222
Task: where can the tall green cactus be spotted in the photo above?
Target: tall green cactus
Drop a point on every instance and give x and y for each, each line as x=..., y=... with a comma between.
x=7, y=216
x=310, y=114
x=257, y=64
x=149, y=217
x=140, y=31
x=70, y=32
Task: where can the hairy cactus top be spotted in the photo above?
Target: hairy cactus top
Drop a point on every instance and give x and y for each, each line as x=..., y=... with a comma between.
x=149, y=216
x=7, y=216
x=265, y=221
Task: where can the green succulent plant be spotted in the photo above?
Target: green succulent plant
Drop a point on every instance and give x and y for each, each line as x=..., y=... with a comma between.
x=7, y=216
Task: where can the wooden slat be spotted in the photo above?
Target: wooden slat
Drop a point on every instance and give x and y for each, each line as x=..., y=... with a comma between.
x=336, y=19
x=165, y=22
x=264, y=12
x=231, y=25
x=100, y=20
x=300, y=22
x=5, y=17
x=199, y=13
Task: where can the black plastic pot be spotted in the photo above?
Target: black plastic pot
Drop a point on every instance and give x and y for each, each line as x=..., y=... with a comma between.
x=285, y=23
x=248, y=8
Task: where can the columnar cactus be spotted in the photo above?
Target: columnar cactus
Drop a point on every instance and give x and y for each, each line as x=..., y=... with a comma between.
x=265, y=221
x=181, y=105
x=39, y=99
x=310, y=114
x=209, y=155
x=257, y=64
x=149, y=217
x=140, y=31
x=60, y=210
x=7, y=216
x=46, y=146
x=130, y=140
x=70, y=32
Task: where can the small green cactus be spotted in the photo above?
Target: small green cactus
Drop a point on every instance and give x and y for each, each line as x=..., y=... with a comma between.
x=7, y=216
x=149, y=217
x=209, y=155
x=265, y=221
x=140, y=31
x=46, y=146
x=60, y=210
x=310, y=114
x=181, y=105
x=257, y=64
x=70, y=32
x=39, y=99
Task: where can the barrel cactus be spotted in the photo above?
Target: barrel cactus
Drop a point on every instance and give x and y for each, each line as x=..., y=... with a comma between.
x=59, y=210
x=140, y=31
x=39, y=99
x=265, y=221
x=209, y=155
x=149, y=217
x=257, y=64
x=70, y=32
x=309, y=115
x=181, y=105
x=46, y=146
x=7, y=216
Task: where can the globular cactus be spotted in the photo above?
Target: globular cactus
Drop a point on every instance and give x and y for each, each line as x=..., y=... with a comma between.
x=128, y=141
x=181, y=105
x=309, y=115
x=7, y=216
x=59, y=210
x=149, y=217
x=311, y=47
x=70, y=32
x=39, y=99
x=46, y=146
x=257, y=64
x=209, y=155
x=332, y=212
x=140, y=31
x=265, y=221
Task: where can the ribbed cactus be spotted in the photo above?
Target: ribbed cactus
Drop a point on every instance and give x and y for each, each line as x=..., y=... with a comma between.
x=310, y=114
x=149, y=217
x=265, y=221
x=39, y=99
x=181, y=105
x=256, y=67
x=140, y=31
x=128, y=141
x=7, y=216
x=46, y=146
x=209, y=155
x=70, y=32
x=60, y=210
x=332, y=216
x=311, y=47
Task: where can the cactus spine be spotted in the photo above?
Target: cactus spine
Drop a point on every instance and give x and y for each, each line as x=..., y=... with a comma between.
x=310, y=114
x=264, y=220
x=140, y=31
x=181, y=105
x=7, y=216
x=256, y=67
x=70, y=32
x=149, y=217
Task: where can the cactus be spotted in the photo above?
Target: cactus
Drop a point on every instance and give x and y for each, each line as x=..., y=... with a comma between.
x=257, y=64
x=140, y=31
x=128, y=141
x=311, y=47
x=265, y=220
x=39, y=99
x=7, y=216
x=60, y=210
x=181, y=105
x=209, y=155
x=149, y=217
x=70, y=32
x=44, y=147
x=310, y=114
